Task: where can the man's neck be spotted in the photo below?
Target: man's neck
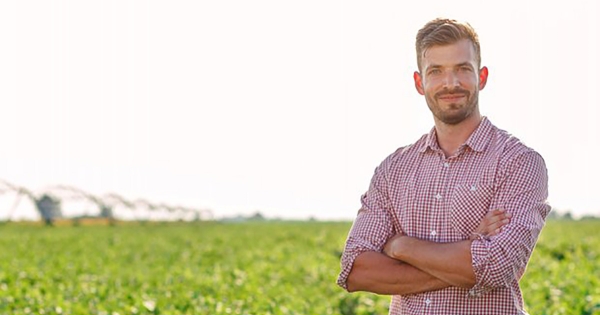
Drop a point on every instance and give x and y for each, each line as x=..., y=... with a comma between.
x=451, y=137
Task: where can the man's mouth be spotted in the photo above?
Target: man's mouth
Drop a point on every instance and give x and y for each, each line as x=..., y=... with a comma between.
x=451, y=97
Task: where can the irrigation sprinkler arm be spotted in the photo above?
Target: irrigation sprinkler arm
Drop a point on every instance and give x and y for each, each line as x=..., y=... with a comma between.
x=145, y=203
x=113, y=198
x=76, y=193
x=19, y=190
x=29, y=194
x=6, y=187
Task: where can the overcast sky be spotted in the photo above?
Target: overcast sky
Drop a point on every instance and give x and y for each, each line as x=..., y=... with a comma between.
x=283, y=107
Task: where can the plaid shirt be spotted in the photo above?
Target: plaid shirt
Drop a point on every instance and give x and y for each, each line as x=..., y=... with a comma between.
x=419, y=192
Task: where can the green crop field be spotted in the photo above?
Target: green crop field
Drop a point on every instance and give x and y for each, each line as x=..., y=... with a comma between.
x=242, y=268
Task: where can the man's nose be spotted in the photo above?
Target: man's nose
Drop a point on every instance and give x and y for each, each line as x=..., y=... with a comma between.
x=451, y=80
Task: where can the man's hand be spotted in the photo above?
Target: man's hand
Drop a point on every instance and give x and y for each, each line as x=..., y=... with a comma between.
x=389, y=247
x=491, y=224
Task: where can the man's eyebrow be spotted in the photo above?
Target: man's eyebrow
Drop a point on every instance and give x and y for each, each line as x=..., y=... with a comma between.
x=463, y=64
x=432, y=67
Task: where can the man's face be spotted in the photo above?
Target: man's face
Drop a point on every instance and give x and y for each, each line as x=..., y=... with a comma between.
x=450, y=80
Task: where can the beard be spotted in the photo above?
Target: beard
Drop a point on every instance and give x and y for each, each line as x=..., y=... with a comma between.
x=455, y=112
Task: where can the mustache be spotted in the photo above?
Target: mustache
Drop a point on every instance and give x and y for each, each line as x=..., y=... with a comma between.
x=450, y=92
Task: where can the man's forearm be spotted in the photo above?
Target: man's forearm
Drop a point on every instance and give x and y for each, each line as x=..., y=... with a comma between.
x=377, y=273
x=450, y=262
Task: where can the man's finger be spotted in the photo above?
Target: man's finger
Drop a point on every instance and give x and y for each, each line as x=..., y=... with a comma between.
x=495, y=217
x=497, y=227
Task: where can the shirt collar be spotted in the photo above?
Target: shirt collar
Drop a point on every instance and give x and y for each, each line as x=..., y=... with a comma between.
x=430, y=142
x=478, y=140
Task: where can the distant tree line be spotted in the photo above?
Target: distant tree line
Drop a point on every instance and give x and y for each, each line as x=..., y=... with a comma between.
x=568, y=216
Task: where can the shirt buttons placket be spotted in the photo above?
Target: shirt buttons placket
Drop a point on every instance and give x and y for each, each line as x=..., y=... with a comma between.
x=428, y=301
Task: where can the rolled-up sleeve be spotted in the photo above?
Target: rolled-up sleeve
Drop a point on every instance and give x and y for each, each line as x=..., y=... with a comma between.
x=499, y=260
x=372, y=226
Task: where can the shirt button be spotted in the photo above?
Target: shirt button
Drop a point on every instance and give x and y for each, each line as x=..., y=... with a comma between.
x=446, y=164
x=428, y=301
x=438, y=196
x=433, y=233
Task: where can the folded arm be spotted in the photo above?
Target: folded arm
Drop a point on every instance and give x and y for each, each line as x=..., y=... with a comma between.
x=377, y=273
x=366, y=268
x=501, y=259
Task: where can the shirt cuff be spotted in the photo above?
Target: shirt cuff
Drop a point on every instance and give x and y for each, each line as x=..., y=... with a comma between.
x=347, y=261
x=480, y=249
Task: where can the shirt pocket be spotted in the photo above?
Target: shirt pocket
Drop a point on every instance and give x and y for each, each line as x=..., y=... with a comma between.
x=469, y=205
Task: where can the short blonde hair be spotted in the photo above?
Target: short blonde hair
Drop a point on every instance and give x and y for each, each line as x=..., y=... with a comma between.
x=441, y=32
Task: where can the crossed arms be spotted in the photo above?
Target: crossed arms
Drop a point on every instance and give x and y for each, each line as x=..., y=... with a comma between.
x=409, y=265
x=379, y=261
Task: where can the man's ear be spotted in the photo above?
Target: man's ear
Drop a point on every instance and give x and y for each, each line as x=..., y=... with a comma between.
x=419, y=83
x=483, y=75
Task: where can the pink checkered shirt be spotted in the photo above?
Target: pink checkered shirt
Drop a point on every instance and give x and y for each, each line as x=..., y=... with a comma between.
x=419, y=192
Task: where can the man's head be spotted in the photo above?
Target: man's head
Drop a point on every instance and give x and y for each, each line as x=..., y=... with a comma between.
x=440, y=32
x=450, y=73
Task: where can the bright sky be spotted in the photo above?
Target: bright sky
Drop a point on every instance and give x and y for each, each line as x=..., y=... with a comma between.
x=280, y=106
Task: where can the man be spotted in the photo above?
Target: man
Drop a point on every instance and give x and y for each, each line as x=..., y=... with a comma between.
x=427, y=232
